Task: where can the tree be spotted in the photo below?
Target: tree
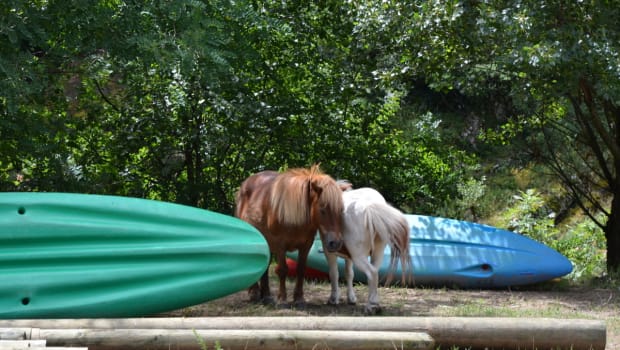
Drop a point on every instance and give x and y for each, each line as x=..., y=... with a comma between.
x=557, y=62
x=133, y=99
x=180, y=101
x=33, y=154
x=565, y=61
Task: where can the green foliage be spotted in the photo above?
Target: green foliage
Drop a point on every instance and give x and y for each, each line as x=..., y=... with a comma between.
x=181, y=100
x=530, y=217
x=470, y=192
x=470, y=200
x=526, y=73
x=202, y=343
x=584, y=245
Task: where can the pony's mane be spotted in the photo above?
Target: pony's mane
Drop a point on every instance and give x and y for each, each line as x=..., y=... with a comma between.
x=331, y=196
x=290, y=193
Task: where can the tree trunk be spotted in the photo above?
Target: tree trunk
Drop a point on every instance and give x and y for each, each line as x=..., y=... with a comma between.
x=612, y=234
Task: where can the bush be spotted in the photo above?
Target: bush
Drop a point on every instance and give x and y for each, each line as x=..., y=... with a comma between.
x=584, y=245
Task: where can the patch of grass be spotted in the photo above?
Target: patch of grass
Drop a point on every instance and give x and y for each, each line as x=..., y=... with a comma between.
x=202, y=343
x=611, y=280
x=479, y=308
x=613, y=324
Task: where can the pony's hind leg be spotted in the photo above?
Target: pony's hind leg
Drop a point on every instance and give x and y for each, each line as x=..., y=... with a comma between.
x=254, y=293
x=265, y=291
x=259, y=291
x=376, y=259
x=332, y=262
x=372, y=275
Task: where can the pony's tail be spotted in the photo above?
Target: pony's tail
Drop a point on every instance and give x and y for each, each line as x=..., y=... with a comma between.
x=392, y=227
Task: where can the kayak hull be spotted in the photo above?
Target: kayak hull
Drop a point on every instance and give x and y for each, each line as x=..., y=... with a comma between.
x=453, y=253
x=75, y=255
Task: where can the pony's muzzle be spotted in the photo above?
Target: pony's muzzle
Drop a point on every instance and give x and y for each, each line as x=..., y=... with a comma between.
x=333, y=245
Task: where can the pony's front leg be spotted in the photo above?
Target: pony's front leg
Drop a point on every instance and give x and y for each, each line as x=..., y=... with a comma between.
x=349, y=274
x=332, y=262
x=298, y=294
x=282, y=271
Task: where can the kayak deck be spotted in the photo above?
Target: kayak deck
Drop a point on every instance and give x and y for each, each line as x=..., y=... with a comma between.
x=75, y=255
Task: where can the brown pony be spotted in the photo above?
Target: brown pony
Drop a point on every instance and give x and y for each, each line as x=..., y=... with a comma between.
x=288, y=208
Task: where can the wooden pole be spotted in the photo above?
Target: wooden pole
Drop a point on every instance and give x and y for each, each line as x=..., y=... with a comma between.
x=31, y=344
x=21, y=344
x=462, y=332
x=103, y=339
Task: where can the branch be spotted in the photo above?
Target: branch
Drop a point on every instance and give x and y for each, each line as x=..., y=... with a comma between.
x=588, y=98
x=591, y=140
x=105, y=98
x=579, y=193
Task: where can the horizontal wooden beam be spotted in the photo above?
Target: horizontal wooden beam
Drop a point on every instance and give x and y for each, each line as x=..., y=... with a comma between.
x=116, y=338
x=31, y=344
x=462, y=332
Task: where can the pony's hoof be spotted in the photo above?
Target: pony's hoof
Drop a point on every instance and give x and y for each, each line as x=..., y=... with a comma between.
x=268, y=300
x=332, y=301
x=372, y=309
x=282, y=304
x=352, y=301
x=255, y=299
x=254, y=295
x=299, y=305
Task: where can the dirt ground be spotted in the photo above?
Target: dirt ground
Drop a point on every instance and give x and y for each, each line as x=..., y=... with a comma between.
x=555, y=300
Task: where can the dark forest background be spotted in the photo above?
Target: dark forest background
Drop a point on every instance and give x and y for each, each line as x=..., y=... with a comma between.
x=504, y=112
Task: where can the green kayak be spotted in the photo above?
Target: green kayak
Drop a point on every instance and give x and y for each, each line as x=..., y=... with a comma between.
x=75, y=255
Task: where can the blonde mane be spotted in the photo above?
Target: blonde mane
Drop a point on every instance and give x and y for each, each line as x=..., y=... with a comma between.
x=290, y=193
x=331, y=197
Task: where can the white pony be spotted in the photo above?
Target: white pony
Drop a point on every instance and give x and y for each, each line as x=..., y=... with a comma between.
x=369, y=224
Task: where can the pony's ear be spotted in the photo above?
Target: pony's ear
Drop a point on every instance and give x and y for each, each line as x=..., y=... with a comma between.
x=344, y=185
x=316, y=168
x=315, y=190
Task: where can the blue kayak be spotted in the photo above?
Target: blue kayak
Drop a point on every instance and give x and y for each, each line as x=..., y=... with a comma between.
x=454, y=253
